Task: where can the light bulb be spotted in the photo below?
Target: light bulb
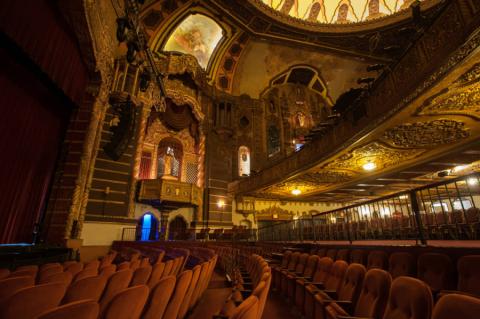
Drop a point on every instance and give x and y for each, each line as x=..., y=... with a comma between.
x=370, y=166
x=296, y=192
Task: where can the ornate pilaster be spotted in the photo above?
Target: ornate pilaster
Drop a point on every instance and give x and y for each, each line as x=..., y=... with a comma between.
x=163, y=225
x=140, y=136
x=81, y=188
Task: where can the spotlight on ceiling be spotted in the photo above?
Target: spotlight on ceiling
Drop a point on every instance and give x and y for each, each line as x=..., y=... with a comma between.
x=375, y=67
x=369, y=166
x=472, y=181
x=296, y=192
x=459, y=168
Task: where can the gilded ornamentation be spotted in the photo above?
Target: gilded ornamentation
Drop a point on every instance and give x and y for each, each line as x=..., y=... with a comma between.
x=426, y=134
x=182, y=94
x=382, y=155
x=324, y=177
x=466, y=102
x=470, y=76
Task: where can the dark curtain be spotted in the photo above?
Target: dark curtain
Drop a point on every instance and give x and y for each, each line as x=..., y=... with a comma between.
x=39, y=29
x=32, y=125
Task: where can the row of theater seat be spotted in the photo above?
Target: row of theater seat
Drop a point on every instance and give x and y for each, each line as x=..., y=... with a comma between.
x=250, y=286
x=321, y=288
x=101, y=289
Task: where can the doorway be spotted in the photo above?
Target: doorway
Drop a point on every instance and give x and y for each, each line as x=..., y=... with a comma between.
x=148, y=227
x=177, y=228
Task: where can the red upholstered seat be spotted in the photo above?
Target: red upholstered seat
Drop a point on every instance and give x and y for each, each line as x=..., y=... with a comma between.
x=87, y=288
x=401, y=264
x=373, y=297
x=409, y=298
x=141, y=276
x=181, y=288
x=159, y=298
x=10, y=286
x=127, y=304
x=436, y=270
x=32, y=301
x=455, y=306
x=83, y=309
x=117, y=282
x=377, y=259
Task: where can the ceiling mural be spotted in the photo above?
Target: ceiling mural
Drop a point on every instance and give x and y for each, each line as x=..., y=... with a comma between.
x=337, y=11
x=197, y=35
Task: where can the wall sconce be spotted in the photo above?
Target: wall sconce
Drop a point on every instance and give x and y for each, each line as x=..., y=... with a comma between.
x=220, y=203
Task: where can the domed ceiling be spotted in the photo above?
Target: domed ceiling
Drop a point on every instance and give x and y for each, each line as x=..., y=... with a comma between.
x=336, y=11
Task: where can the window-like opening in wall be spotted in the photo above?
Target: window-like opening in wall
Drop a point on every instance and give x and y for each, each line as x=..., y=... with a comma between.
x=244, y=122
x=273, y=142
x=243, y=161
x=170, y=155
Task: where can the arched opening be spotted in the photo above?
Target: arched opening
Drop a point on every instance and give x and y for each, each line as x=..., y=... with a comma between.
x=197, y=35
x=243, y=161
x=177, y=228
x=148, y=227
x=170, y=155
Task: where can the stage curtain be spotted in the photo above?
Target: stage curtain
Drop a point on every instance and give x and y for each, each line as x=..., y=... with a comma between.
x=39, y=29
x=32, y=125
x=145, y=165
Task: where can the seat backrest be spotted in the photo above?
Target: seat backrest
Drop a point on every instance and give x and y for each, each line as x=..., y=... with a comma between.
x=74, y=268
x=117, y=282
x=262, y=292
x=52, y=269
x=321, y=252
x=401, y=264
x=323, y=269
x=337, y=273
x=377, y=259
x=85, y=273
x=87, y=288
x=10, y=286
x=64, y=277
x=248, y=309
x=127, y=304
x=157, y=272
x=342, y=254
x=435, y=269
x=456, y=306
x=83, y=309
x=302, y=261
x=31, y=301
x=409, y=298
x=141, y=276
x=49, y=265
x=469, y=274
x=107, y=270
x=159, y=298
x=168, y=268
x=311, y=265
x=373, y=297
x=357, y=256
x=286, y=258
x=332, y=253
x=4, y=273
x=175, y=302
x=197, y=291
x=292, y=263
x=352, y=283
x=188, y=295
x=94, y=264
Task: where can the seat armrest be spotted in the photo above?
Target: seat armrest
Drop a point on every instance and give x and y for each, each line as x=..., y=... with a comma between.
x=319, y=285
x=344, y=304
x=331, y=293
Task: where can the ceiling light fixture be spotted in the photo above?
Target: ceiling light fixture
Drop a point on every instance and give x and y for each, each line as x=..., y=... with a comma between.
x=296, y=192
x=472, y=181
x=459, y=168
x=369, y=166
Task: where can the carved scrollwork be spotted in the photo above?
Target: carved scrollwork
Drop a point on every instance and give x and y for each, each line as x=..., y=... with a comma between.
x=469, y=77
x=426, y=134
x=465, y=102
x=382, y=155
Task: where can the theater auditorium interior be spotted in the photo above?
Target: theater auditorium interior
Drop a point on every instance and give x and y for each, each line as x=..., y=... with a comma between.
x=240, y=159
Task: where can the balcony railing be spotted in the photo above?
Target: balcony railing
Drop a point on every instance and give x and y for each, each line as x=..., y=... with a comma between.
x=448, y=210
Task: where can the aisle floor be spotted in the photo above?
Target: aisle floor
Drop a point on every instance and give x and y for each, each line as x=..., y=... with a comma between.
x=214, y=297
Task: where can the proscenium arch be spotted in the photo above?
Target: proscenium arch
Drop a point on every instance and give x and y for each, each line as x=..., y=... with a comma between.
x=167, y=27
x=282, y=78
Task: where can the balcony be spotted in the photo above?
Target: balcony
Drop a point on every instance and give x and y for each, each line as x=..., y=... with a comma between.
x=168, y=195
